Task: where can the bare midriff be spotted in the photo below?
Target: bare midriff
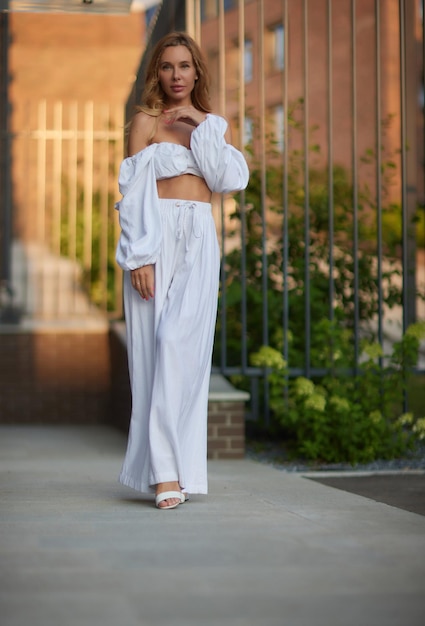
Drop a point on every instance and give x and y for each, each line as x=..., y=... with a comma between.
x=185, y=187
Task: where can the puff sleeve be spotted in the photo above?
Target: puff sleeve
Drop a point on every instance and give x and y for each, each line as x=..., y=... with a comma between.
x=222, y=165
x=141, y=234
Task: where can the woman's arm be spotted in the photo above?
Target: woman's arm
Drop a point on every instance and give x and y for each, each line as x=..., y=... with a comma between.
x=222, y=165
x=142, y=124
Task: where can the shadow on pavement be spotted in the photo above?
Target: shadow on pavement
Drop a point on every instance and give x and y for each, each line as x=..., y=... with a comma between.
x=404, y=491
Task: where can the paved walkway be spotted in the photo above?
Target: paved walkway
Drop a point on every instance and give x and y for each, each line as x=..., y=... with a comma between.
x=265, y=548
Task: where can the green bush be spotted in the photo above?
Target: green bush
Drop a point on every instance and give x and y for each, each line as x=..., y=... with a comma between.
x=353, y=413
x=297, y=255
x=345, y=416
x=98, y=280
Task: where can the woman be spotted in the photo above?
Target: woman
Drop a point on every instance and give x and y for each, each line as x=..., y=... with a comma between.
x=178, y=156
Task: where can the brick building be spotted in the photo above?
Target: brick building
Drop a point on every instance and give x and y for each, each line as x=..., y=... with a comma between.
x=265, y=34
x=55, y=366
x=67, y=58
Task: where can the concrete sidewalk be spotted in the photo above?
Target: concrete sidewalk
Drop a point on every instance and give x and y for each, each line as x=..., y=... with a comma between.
x=265, y=548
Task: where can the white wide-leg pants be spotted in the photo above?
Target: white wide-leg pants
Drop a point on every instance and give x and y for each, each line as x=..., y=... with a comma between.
x=169, y=342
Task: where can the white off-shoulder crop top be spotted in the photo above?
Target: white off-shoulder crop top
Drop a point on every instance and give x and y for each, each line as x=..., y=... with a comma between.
x=210, y=157
x=172, y=159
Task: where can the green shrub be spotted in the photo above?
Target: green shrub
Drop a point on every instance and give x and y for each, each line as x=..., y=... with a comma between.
x=290, y=259
x=344, y=417
x=302, y=254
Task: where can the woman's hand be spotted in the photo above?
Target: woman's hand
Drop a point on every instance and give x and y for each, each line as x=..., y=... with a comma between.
x=187, y=114
x=143, y=281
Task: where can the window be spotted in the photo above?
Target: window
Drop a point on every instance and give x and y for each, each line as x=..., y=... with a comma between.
x=214, y=68
x=248, y=131
x=209, y=8
x=279, y=127
x=279, y=47
x=248, y=60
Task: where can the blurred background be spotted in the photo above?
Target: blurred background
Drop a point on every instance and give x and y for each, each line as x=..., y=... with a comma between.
x=325, y=98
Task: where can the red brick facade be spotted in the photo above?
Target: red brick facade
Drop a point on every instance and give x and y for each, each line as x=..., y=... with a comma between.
x=67, y=59
x=226, y=429
x=54, y=377
x=77, y=377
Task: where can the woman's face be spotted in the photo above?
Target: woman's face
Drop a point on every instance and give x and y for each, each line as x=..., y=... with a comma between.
x=177, y=75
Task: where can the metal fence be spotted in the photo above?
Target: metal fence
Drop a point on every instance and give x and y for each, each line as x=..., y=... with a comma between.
x=327, y=100
x=65, y=161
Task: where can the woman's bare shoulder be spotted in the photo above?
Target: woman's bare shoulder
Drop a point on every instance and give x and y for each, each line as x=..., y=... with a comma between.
x=143, y=118
x=142, y=129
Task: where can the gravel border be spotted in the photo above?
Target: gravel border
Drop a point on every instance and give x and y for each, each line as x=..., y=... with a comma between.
x=274, y=455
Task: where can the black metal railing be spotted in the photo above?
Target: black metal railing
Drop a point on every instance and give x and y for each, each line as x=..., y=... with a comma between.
x=352, y=72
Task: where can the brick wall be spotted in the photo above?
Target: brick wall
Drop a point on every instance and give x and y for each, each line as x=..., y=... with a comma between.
x=54, y=377
x=73, y=56
x=226, y=429
x=81, y=377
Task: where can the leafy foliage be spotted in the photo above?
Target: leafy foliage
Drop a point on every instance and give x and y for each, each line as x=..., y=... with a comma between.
x=98, y=279
x=345, y=417
x=301, y=264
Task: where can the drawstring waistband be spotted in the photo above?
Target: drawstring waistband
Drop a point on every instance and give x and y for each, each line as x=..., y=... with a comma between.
x=188, y=216
x=187, y=208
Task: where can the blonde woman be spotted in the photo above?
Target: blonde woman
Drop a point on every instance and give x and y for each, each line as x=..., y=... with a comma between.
x=178, y=154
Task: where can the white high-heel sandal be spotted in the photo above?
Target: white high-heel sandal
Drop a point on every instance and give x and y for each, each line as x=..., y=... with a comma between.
x=167, y=495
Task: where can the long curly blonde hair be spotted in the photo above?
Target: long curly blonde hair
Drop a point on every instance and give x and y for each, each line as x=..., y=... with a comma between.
x=152, y=101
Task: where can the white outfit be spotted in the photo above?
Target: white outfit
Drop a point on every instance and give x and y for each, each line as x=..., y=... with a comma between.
x=170, y=337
